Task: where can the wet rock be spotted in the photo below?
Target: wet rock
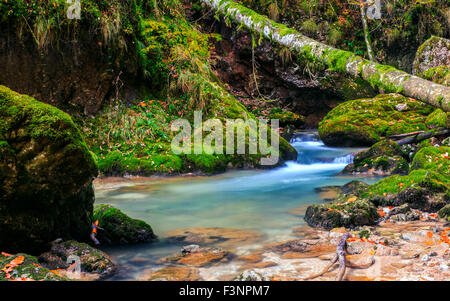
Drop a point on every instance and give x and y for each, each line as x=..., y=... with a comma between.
x=299, y=211
x=358, y=247
x=173, y=274
x=251, y=258
x=29, y=269
x=259, y=265
x=196, y=256
x=120, y=228
x=302, y=248
x=363, y=122
x=92, y=261
x=444, y=212
x=214, y=235
x=342, y=214
x=383, y=158
x=251, y=276
x=354, y=187
x=328, y=193
x=46, y=173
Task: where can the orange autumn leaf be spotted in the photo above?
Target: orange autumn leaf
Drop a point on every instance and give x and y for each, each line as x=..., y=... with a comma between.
x=6, y=254
x=16, y=261
x=429, y=234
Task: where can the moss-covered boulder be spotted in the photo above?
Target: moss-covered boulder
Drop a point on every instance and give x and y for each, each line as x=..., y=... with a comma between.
x=363, y=122
x=383, y=158
x=286, y=117
x=46, y=173
x=348, y=212
x=421, y=189
x=444, y=212
x=438, y=119
x=433, y=158
x=120, y=228
x=354, y=187
x=432, y=60
x=24, y=267
x=92, y=260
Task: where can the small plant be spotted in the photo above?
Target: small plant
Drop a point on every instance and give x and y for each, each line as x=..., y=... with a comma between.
x=364, y=234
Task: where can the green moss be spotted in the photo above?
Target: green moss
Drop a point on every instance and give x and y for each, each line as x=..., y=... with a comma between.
x=367, y=121
x=29, y=269
x=420, y=177
x=342, y=213
x=438, y=119
x=445, y=212
x=433, y=158
x=120, y=228
x=43, y=122
x=337, y=60
x=439, y=74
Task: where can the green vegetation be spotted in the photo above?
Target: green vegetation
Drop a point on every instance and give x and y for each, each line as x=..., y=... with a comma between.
x=439, y=74
x=433, y=158
x=405, y=24
x=366, y=121
x=168, y=54
x=119, y=228
x=29, y=269
x=420, y=177
x=385, y=156
x=438, y=119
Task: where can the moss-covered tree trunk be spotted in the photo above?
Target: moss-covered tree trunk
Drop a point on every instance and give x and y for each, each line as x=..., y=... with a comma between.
x=385, y=77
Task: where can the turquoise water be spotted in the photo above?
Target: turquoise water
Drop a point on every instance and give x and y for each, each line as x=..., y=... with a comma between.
x=251, y=199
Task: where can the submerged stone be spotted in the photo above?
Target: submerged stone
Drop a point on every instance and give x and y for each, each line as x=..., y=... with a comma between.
x=173, y=274
x=215, y=235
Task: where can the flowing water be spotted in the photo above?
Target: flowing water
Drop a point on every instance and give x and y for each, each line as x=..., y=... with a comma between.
x=250, y=200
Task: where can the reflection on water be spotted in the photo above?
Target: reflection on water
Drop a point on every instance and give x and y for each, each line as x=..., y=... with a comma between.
x=251, y=199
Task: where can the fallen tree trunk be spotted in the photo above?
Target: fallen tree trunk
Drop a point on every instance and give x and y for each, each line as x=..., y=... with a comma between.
x=384, y=77
x=422, y=136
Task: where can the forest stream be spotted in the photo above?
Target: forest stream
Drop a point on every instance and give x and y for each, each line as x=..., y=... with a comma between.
x=270, y=202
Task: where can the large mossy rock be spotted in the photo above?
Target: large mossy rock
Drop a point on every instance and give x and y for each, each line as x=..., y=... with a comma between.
x=28, y=270
x=346, y=212
x=46, y=173
x=422, y=189
x=120, y=228
x=383, y=158
x=92, y=261
x=432, y=60
x=433, y=158
x=363, y=122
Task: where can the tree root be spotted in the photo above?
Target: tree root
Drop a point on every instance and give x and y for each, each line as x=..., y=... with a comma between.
x=343, y=263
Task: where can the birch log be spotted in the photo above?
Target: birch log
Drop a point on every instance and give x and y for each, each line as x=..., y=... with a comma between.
x=384, y=77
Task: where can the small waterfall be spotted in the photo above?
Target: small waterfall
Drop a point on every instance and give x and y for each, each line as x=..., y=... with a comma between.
x=348, y=159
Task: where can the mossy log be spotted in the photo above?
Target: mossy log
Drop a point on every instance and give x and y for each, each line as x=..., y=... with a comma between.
x=384, y=77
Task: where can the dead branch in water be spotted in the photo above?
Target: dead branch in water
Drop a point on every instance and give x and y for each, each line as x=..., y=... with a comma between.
x=343, y=263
